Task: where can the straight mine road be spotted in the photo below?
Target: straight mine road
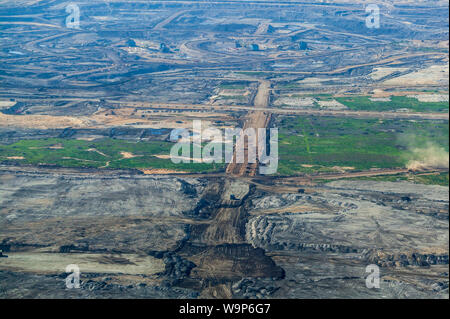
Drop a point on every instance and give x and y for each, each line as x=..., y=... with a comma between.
x=255, y=119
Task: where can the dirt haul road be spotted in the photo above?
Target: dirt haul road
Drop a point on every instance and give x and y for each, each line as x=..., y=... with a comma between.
x=224, y=235
x=255, y=119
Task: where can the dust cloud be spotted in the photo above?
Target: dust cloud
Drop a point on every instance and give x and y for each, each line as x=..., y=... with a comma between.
x=428, y=156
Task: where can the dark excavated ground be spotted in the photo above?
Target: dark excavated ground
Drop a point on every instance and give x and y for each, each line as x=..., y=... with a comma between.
x=172, y=237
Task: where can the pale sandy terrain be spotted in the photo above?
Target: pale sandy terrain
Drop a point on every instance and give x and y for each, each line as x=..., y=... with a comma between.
x=37, y=262
x=430, y=97
x=127, y=155
x=295, y=101
x=195, y=160
x=332, y=105
x=4, y=104
x=98, y=120
x=433, y=75
x=42, y=121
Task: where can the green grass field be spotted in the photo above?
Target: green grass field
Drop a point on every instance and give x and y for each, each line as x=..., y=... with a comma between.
x=306, y=145
x=322, y=144
x=97, y=154
x=363, y=103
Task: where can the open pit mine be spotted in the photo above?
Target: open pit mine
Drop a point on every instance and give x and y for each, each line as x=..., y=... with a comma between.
x=92, y=205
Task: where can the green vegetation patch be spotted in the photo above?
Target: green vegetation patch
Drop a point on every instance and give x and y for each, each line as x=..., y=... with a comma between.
x=238, y=85
x=431, y=179
x=103, y=153
x=363, y=103
x=323, y=144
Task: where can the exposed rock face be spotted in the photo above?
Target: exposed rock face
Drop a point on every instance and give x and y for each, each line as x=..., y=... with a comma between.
x=44, y=196
x=94, y=286
x=177, y=268
x=250, y=288
x=409, y=259
x=95, y=213
x=337, y=232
